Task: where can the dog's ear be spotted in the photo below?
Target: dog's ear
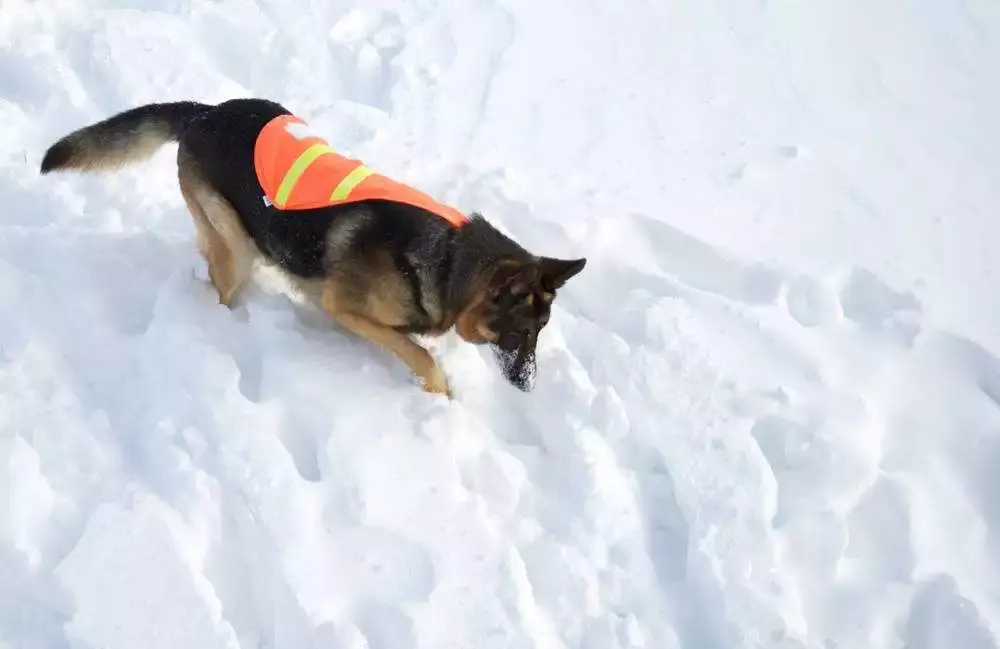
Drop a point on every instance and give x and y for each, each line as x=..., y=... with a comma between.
x=516, y=274
x=556, y=272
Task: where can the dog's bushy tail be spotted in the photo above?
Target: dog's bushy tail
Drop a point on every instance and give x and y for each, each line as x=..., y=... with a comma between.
x=128, y=137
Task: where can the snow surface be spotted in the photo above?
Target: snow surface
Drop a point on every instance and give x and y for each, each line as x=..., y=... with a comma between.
x=767, y=415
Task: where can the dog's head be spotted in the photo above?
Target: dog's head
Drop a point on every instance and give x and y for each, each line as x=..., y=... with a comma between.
x=511, y=310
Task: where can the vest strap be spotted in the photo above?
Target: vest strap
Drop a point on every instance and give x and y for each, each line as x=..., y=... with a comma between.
x=346, y=186
x=298, y=168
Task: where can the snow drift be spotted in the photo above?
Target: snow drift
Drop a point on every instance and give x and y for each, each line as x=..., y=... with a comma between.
x=768, y=413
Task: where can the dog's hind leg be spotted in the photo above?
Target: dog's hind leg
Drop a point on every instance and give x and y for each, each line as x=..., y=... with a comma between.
x=222, y=240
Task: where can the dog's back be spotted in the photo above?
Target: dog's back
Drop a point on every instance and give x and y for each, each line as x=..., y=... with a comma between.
x=304, y=242
x=216, y=143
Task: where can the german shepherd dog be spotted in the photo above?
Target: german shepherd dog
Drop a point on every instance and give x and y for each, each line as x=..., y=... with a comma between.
x=382, y=269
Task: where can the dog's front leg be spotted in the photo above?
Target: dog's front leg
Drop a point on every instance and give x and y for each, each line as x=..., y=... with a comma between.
x=418, y=359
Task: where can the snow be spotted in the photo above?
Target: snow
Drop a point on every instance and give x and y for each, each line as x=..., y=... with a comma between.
x=767, y=412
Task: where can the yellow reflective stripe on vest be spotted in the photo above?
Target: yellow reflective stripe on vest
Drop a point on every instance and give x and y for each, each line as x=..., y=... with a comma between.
x=352, y=180
x=295, y=172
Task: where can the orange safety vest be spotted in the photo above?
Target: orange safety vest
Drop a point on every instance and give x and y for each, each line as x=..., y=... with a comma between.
x=299, y=171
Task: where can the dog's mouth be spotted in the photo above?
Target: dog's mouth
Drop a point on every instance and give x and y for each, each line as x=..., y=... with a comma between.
x=518, y=366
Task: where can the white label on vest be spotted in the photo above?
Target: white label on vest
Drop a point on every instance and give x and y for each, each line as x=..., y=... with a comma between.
x=301, y=130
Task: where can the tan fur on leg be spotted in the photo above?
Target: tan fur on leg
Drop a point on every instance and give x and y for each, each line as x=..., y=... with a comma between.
x=222, y=241
x=418, y=359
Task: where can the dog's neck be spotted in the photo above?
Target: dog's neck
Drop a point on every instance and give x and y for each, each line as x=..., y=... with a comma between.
x=475, y=249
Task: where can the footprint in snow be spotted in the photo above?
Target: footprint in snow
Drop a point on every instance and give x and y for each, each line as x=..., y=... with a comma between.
x=940, y=617
x=370, y=40
x=877, y=308
x=880, y=542
x=766, y=167
x=703, y=267
x=385, y=626
x=811, y=303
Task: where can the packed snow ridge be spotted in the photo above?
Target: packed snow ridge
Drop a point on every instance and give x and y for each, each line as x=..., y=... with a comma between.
x=767, y=413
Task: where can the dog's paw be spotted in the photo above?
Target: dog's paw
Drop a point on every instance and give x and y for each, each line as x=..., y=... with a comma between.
x=436, y=382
